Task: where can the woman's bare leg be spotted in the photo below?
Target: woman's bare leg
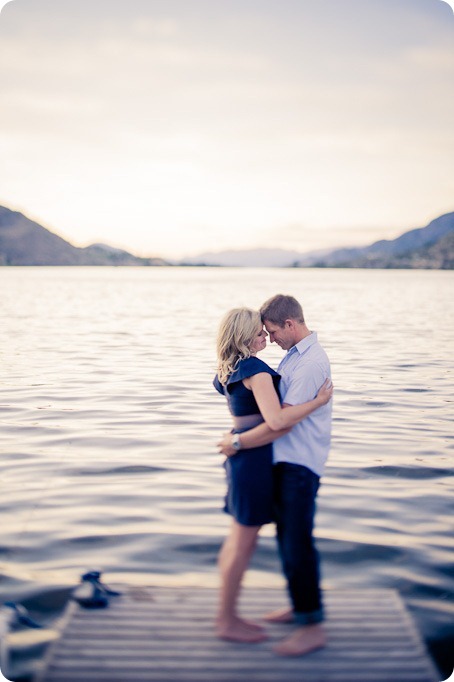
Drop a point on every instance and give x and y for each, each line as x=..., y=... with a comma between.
x=233, y=560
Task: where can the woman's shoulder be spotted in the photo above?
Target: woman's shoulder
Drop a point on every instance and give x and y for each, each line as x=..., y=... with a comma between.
x=249, y=367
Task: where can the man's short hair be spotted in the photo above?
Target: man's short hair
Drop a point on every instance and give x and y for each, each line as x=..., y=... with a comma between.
x=280, y=308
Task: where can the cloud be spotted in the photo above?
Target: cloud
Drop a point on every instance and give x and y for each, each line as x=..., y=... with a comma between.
x=191, y=118
x=304, y=238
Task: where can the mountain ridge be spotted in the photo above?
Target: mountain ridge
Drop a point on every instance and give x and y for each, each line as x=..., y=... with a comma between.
x=25, y=242
x=412, y=249
x=396, y=253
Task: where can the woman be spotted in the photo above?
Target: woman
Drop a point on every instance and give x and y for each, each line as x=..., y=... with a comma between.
x=251, y=389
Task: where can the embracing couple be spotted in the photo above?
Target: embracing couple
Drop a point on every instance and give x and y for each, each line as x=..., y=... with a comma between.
x=276, y=453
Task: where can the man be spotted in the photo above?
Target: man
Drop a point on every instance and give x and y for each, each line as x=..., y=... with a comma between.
x=299, y=460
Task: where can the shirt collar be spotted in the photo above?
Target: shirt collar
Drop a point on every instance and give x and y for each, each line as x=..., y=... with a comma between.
x=304, y=344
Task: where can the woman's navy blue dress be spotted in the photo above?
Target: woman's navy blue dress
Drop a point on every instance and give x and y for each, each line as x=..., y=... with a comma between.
x=249, y=472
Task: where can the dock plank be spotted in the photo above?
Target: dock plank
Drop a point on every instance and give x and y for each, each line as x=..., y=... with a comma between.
x=158, y=634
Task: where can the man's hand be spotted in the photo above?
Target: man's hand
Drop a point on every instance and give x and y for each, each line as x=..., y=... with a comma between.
x=225, y=446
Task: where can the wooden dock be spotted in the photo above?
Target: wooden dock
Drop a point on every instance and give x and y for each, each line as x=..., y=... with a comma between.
x=165, y=635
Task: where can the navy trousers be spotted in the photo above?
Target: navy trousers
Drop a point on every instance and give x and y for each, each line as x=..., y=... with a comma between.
x=295, y=490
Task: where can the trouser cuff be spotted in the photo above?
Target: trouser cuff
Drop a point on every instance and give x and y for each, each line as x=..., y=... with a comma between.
x=309, y=618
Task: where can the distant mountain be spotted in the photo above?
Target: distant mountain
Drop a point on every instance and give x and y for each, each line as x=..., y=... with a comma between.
x=24, y=242
x=261, y=258
x=427, y=247
x=439, y=255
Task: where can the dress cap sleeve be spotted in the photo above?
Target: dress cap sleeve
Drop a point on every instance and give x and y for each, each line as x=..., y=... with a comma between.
x=217, y=384
x=248, y=368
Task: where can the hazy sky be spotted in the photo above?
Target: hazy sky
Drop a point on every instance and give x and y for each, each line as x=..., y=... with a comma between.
x=171, y=127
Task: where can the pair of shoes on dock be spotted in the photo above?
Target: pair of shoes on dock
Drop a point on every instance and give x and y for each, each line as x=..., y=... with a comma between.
x=91, y=593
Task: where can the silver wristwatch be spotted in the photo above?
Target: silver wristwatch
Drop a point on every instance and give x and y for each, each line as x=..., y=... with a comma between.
x=236, y=443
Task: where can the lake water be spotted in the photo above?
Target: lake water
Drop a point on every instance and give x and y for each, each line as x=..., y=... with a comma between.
x=109, y=422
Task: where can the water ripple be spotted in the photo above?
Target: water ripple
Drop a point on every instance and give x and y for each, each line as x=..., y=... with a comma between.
x=109, y=424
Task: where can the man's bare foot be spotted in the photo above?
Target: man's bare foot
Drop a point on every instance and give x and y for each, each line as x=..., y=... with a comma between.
x=237, y=630
x=304, y=640
x=280, y=616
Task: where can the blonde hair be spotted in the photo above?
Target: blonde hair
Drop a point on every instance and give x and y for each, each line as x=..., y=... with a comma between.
x=237, y=331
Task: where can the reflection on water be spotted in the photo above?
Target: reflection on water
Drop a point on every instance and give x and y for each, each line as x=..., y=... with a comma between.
x=109, y=423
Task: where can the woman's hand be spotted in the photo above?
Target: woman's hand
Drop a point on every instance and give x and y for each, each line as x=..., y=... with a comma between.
x=325, y=393
x=225, y=445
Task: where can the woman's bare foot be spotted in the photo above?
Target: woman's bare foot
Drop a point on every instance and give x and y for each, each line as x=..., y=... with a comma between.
x=251, y=625
x=280, y=616
x=304, y=640
x=238, y=630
